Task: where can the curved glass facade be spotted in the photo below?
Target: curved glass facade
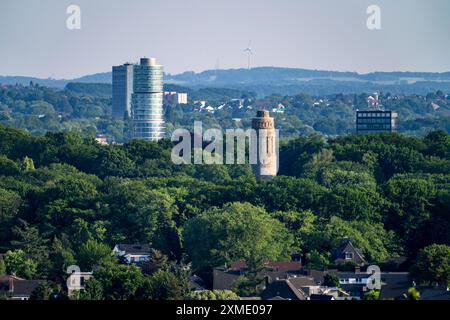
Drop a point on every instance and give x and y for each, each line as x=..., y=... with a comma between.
x=147, y=101
x=148, y=79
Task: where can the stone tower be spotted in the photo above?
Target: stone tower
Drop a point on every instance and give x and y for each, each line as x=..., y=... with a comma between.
x=267, y=165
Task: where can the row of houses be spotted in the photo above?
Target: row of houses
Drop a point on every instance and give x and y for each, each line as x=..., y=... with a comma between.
x=237, y=104
x=292, y=281
x=288, y=280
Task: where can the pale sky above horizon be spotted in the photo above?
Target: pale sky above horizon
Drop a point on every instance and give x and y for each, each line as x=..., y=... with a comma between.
x=196, y=35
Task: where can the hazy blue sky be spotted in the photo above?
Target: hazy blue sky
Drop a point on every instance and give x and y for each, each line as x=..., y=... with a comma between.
x=195, y=34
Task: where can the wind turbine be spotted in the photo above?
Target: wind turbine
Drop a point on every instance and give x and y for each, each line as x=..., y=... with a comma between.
x=249, y=52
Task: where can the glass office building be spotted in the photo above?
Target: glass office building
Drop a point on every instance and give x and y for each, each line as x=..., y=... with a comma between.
x=376, y=121
x=147, y=100
x=122, y=83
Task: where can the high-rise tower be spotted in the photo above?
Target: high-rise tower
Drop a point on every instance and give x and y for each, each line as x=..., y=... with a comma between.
x=122, y=82
x=147, y=100
x=267, y=164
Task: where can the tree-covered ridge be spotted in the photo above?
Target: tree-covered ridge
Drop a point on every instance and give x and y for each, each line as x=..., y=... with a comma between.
x=67, y=200
x=270, y=80
x=40, y=109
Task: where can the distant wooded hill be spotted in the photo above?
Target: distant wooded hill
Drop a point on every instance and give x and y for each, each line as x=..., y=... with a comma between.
x=284, y=81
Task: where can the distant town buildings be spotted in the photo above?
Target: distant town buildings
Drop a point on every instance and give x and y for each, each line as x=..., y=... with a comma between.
x=224, y=278
x=147, y=100
x=122, y=82
x=376, y=121
x=101, y=139
x=347, y=278
x=279, y=108
x=174, y=98
x=267, y=165
x=373, y=101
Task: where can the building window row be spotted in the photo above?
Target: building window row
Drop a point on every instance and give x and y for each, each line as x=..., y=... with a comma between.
x=374, y=114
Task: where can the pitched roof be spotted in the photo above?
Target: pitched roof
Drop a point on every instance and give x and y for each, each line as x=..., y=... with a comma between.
x=278, y=298
x=7, y=277
x=321, y=297
x=317, y=275
x=281, y=266
x=134, y=248
x=346, y=245
x=394, y=285
x=282, y=289
x=23, y=288
x=224, y=278
x=299, y=282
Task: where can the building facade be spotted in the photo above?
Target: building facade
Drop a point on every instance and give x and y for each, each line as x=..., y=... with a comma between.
x=266, y=167
x=182, y=98
x=174, y=98
x=122, y=82
x=376, y=121
x=147, y=100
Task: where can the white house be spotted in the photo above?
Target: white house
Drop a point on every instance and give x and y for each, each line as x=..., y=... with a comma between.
x=132, y=253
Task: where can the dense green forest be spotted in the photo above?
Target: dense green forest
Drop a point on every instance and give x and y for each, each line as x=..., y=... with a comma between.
x=86, y=108
x=64, y=200
x=41, y=109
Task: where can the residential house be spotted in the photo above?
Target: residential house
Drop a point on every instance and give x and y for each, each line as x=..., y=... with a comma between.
x=282, y=290
x=301, y=288
x=354, y=283
x=101, y=139
x=394, y=285
x=279, y=108
x=22, y=289
x=347, y=253
x=15, y=288
x=223, y=278
x=132, y=253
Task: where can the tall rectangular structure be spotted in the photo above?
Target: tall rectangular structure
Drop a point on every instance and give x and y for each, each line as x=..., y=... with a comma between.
x=376, y=121
x=147, y=100
x=122, y=82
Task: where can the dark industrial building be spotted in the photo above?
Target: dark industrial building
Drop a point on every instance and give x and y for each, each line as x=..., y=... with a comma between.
x=376, y=121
